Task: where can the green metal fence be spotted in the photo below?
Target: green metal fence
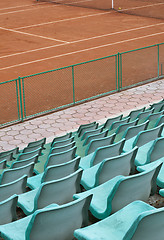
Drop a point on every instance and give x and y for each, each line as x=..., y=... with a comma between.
x=44, y=92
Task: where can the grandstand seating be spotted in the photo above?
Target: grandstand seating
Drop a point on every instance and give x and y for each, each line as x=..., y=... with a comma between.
x=118, y=162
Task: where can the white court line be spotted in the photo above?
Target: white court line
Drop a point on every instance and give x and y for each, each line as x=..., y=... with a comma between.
x=64, y=20
x=81, y=40
x=145, y=6
x=20, y=6
x=80, y=51
x=33, y=35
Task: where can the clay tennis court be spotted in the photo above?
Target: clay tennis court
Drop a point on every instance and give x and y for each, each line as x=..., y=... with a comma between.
x=41, y=36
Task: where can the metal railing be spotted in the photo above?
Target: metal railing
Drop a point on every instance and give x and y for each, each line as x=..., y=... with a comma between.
x=41, y=93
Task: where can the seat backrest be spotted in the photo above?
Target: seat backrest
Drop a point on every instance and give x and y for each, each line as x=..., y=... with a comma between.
x=134, y=187
x=96, y=136
x=118, y=165
x=7, y=157
x=107, y=152
x=32, y=148
x=11, y=175
x=91, y=132
x=8, y=209
x=24, y=156
x=134, y=130
x=96, y=143
x=62, y=170
x=148, y=135
x=62, y=142
x=155, y=116
x=143, y=115
x=149, y=225
x=109, y=121
x=156, y=151
x=158, y=106
x=124, y=126
x=17, y=164
x=160, y=120
x=118, y=123
x=134, y=113
x=38, y=143
x=59, y=223
x=3, y=164
x=87, y=128
x=16, y=187
x=62, y=157
x=13, y=151
x=61, y=138
x=84, y=126
x=62, y=148
x=58, y=191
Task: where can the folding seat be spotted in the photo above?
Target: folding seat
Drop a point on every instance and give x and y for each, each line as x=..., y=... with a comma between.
x=39, y=143
x=153, y=119
x=99, y=142
x=122, y=128
x=116, y=193
x=134, y=113
x=21, y=163
x=7, y=157
x=116, y=124
x=61, y=157
x=58, y=191
x=110, y=121
x=62, y=148
x=10, y=175
x=8, y=209
x=109, y=168
x=14, y=151
x=142, y=117
x=3, y=164
x=101, y=153
x=157, y=106
x=16, y=187
x=61, y=138
x=63, y=142
x=52, y=223
x=143, y=137
x=136, y=221
x=96, y=136
x=87, y=127
x=53, y=173
x=32, y=148
x=160, y=121
x=91, y=132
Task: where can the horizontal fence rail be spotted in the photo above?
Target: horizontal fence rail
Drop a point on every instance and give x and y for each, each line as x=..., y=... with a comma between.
x=41, y=93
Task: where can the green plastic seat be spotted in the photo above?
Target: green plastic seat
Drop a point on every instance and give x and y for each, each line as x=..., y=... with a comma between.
x=61, y=138
x=63, y=142
x=58, y=191
x=3, y=164
x=24, y=156
x=10, y=175
x=101, y=153
x=143, y=137
x=95, y=136
x=134, y=113
x=61, y=157
x=142, y=117
x=21, y=163
x=160, y=121
x=99, y=142
x=62, y=148
x=157, y=106
x=51, y=223
x=116, y=193
x=136, y=221
x=7, y=157
x=16, y=187
x=32, y=148
x=8, y=209
x=154, y=118
x=53, y=173
x=91, y=132
x=110, y=121
x=14, y=151
x=109, y=168
x=39, y=143
x=87, y=127
x=116, y=124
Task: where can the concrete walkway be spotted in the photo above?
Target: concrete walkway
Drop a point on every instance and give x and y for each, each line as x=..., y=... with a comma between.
x=67, y=120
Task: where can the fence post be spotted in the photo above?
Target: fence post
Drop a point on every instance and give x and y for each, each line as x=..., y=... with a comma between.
x=158, y=58
x=73, y=84
x=118, y=68
x=20, y=97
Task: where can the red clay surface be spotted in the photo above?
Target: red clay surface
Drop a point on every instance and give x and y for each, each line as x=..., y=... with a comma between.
x=37, y=37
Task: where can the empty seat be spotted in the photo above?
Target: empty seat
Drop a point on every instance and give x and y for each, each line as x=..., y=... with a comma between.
x=109, y=168
x=58, y=191
x=39, y=143
x=52, y=223
x=62, y=148
x=24, y=156
x=91, y=132
x=95, y=136
x=109, y=121
x=13, y=151
x=101, y=153
x=116, y=193
x=61, y=138
x=143, y=115
x=62, y=142
x=134, y=113
x=157, y=106
x=88, y=127
x=21, y=163
x=136, y=221
x=3, y=164
x=53, y=173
